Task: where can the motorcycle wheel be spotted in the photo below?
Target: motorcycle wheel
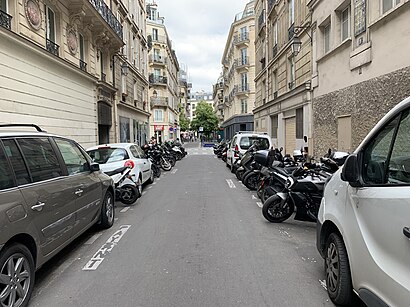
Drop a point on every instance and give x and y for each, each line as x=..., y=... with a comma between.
x=251, y=181
x=245, y=173
x=178, y=156
x=264, y=195
x=274, y=212
x=239, y=174
x=172, y=160
x=165, y=164
x=129, y=194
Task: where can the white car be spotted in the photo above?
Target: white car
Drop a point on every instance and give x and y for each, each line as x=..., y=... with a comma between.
x=363, y=229
x=241, y=142
x=113, y=156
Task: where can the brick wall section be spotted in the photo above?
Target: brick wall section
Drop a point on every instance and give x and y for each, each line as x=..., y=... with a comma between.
x=366, y=102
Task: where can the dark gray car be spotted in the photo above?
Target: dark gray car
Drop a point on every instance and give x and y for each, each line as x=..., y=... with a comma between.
x=50, y=193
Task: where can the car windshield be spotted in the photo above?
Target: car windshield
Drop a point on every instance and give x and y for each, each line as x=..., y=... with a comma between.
x=108, y=155
x=248, y=141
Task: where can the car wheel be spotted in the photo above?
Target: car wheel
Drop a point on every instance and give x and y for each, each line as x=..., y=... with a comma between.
x=17, y=275
x=151, y=177
x=107, y=211
x=139, y=187
x=338, y=278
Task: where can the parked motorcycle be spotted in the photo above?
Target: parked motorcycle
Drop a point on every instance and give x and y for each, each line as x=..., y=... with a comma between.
x=303, y=190
x=126, y=189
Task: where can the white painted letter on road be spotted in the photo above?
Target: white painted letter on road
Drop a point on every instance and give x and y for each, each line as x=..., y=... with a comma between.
x=99, y=256
x=230, y=183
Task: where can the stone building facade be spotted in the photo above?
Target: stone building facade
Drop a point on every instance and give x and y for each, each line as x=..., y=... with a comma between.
x=163, y=79
x=238, y=64
x=283, y=73
x=361, y=67
x=218, y=97
x=55, y=66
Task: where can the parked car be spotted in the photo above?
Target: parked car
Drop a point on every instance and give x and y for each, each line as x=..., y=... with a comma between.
x=242, y=141
x=363, y=223
x=50, y=193
x=114, y=156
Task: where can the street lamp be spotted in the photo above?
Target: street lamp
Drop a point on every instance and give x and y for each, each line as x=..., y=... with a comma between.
x=296, y=46
x=124, y=68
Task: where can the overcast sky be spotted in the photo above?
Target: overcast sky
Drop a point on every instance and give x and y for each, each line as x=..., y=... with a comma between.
x=198, y=30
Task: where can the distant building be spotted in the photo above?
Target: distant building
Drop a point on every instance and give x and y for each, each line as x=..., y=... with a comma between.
x=163, y=79
x=197, y=98
x=218, y=97
x=239, y=73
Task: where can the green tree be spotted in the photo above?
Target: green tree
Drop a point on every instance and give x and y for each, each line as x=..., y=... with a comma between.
x=183, y=122
x=205, y=117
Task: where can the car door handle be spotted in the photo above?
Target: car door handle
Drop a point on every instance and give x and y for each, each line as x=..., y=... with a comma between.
x=406, y=232
x=38, y=207
x=79, y=192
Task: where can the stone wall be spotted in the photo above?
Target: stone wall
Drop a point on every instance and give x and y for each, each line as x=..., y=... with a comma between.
x=367, y=102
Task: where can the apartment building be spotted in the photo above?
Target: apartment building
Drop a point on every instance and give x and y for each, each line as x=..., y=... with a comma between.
x=184, y=92
x=218, y=98
x=163, y=78
x=283, y=73
x=238, y=62
x=131, y=74
x=361, y=67
x=62, y=62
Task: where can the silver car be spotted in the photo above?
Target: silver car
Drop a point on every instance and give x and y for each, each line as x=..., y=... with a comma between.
x=50, y=193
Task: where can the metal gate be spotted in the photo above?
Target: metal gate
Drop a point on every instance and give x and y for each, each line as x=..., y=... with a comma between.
x=290, y=135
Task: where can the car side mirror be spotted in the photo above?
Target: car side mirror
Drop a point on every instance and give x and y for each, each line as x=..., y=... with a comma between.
x=350, y=172
x=94, y=167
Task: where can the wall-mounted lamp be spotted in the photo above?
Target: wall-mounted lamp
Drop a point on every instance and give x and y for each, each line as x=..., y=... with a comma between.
x=124, y=68
x=297, y=43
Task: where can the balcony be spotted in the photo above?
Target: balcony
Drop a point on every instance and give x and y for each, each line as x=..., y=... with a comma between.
x=157, y=60
x=241, y=39
x=221, y=106
x=5, y=20
x=52, y=47
x=158, y=80
x=242, y=63
x=159, y=102
x=105, y=27
x=158, y=39
x=271, y=4
x=83, y=66
x=261, y=20
x=242, y=89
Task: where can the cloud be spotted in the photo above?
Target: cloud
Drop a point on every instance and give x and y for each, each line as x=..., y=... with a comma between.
x=198, y=30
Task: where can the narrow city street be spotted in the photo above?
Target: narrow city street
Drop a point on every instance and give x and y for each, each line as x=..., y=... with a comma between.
x=195, y=238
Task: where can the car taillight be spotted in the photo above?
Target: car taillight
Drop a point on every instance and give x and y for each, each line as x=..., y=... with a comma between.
x=236, y=151
x=129, y=163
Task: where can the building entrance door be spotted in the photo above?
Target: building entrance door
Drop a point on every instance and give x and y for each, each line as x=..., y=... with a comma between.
x=290, y=135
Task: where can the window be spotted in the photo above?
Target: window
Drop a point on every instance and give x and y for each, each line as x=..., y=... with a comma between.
x=82, y=55
x=244, y=81
x=299, y=123
x=73, y=157
x=50, y=24
x=275, y=33
x=17, y=162
x=244, y=33
x=274, y=84
x=244, y=106
x=247, y=142
x=291, y=12
x=274, y=122
x=291, y=72
x=345, y=23
x=41, y=159
x=124, y=84
x=244, y=56
x=124, y=130
x=6, y=175
x=158, y=116
x=388, y=5
x=3, y=5
x=326, y=38
x=108, y=155
x=155, y=34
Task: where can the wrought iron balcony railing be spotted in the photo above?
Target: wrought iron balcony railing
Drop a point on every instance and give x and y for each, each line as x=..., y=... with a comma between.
x=243, y=61
x=103, y=77
x=157, y=59
x=157, y=79
x=83, y=65
x=52, y=47
x=108, y=16
x=261, y=19
x=274, y=50
x=242, y=88
x=159, y=101
x=241, y=38
x=5, y=20
x=291, y=31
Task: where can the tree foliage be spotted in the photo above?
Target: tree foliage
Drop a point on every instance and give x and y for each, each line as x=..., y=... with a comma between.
x=205, y=117
x=183, y=122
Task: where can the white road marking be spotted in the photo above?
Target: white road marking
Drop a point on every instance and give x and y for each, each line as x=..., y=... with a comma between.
x=230, y=183
x=174, y=171
x=100, y=255
x=154, y=183
x=116, y=219
x=143, y=193
x=93, y=239
x=125, y=209
x=254, y=197
x=260, y=205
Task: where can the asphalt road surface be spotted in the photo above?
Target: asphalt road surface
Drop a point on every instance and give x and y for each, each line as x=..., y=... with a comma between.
x=195, y=238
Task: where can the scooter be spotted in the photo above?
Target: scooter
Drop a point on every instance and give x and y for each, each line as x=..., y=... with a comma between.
x=126, y=190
